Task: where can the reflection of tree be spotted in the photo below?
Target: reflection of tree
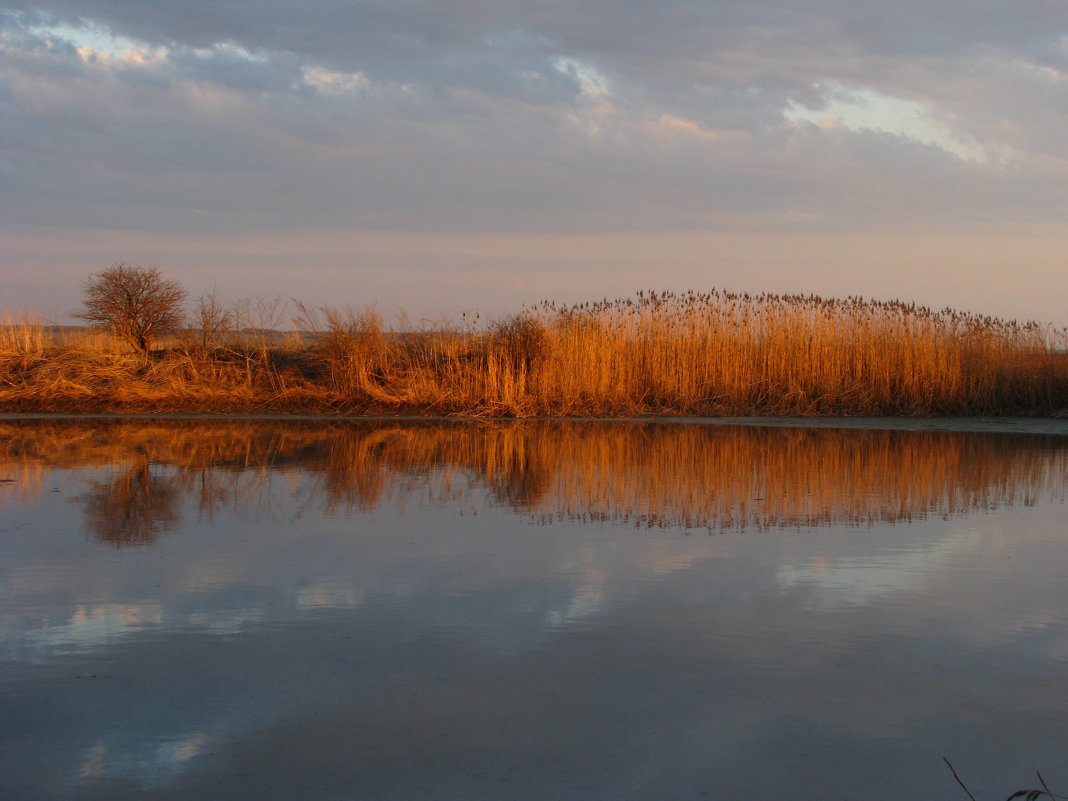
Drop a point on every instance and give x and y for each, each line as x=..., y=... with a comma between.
x=134, y=508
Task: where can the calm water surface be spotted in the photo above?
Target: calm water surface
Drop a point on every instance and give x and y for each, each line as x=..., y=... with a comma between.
x=555, y=610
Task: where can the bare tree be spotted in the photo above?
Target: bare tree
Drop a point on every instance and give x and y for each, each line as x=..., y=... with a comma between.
x=132, y=302
x=213, y=320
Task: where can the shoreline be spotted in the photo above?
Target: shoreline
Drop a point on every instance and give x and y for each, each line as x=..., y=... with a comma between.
x=1048, y=426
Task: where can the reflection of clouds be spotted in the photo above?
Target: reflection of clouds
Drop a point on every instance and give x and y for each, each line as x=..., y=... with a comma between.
x=208, y=577
x=87, y=627
x=672, y=560
x=589, y=574
x=105, y=625
x=152, y=763
x=170, y=754
x=92, y=765
x=224, y=621
x=837, y=582
x=325, y=594
x=586, y=601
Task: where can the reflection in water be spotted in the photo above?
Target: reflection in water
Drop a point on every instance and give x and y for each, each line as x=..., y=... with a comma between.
x=362, y=610
x=651, y=474
x=133, y=508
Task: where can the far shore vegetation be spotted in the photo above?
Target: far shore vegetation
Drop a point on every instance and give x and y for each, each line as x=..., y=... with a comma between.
x=709, y=354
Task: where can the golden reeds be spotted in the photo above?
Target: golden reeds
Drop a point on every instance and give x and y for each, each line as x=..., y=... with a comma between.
x=715, y=353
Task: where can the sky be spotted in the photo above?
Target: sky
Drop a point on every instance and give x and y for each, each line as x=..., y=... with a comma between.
x=445, y=157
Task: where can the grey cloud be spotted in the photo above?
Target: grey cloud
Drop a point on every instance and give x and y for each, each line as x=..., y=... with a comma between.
x=280, y=73
x=466, y=124
x=355, y=33
x=667, y=48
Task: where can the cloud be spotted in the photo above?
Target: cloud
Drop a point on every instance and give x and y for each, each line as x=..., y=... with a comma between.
x=532, y=118
x=865, y=109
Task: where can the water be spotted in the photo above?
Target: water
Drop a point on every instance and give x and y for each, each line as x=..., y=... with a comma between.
x=555, y=610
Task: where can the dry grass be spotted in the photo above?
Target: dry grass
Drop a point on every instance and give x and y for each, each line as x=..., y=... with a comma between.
x=693, y=354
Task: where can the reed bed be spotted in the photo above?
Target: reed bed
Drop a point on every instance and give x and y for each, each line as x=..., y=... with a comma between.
x=714, y=354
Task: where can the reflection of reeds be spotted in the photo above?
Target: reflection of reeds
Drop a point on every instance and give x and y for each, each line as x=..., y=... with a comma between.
x=650, y=474
x=702, y=354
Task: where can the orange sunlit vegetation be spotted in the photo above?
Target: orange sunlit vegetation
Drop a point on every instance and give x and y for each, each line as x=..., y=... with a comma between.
x=655, y=475
x=656, y=354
